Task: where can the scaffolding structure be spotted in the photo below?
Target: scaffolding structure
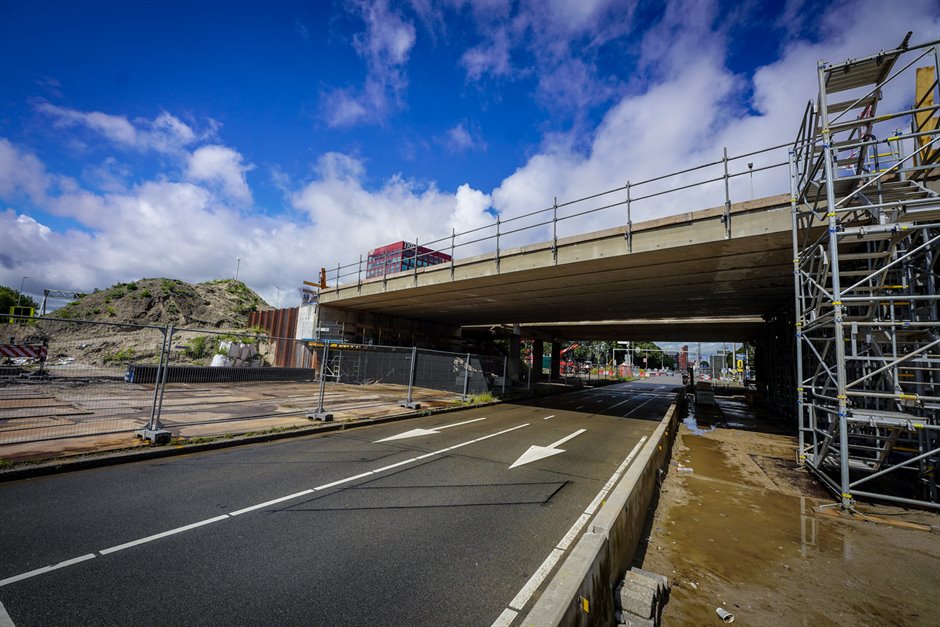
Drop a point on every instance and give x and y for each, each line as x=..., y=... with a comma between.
x=866, y=243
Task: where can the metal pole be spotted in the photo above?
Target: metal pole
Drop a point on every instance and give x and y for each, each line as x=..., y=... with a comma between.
x=320, y=413
x=505, y=371
x=629, y=222
x=409, y=402
x=497, y=242
x=839, y=329
x=166, y=369
x=453, y=237
x=238, y=263
x=337, y=277
x=466, y=376
x=359, y=274
x=156, y=382
x=20, y=298
x=727, y=196
x=797, y=313
x=555, y=235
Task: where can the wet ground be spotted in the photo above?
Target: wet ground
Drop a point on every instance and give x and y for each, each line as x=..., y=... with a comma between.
x=739, y=526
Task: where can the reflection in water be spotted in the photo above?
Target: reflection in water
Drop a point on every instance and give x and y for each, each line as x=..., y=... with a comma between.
x=691, y=422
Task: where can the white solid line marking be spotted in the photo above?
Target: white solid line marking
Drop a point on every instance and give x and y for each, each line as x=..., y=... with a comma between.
x=536, y=580
x=504, y=620
x=457, y=424
x=596, y=502
x=630, y=457
x=573, y=532
x=548, y=417
x=528, y=589
x=46, y=569
x=326, y=486
x=271, y=502
x=579, y=407
x=6, y=621
x=157, y=536
x=415, y=433
x=390, y=466
x=164, y=534
x=642, y=404
x=566, y=438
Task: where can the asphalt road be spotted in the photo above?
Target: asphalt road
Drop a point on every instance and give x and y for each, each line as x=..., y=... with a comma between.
x=339, y=529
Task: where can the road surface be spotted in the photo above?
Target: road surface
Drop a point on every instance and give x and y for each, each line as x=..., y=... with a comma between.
x=453, y=519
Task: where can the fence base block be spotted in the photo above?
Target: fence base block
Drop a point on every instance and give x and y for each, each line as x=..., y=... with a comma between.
x=410, y=404
x=321, y=415
x=157, y=436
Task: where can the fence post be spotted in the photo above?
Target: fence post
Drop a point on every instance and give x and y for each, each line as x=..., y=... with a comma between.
x=320, y=413
x=466, y=377
x=505, y=371
x=154, y=430
x=156, y=381
x=409, y=402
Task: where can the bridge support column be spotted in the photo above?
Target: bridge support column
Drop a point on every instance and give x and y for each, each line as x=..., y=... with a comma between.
x=555, y=372
x=515, y=350
x=538, y=351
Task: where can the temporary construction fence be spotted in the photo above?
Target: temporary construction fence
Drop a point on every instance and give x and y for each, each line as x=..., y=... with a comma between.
x=109, y=378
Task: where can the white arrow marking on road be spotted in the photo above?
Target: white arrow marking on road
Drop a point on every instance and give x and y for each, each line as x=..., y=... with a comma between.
x=536, y=452
x=416, y=433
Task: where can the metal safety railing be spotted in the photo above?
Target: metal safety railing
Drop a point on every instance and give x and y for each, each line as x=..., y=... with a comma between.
x=721, y=177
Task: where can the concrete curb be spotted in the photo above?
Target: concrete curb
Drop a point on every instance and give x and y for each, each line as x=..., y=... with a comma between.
x=582, y=591
x=127, y=456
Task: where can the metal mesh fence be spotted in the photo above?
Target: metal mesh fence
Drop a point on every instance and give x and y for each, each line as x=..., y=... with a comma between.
x=465, y=374
x=79, y=388
x=99, y=378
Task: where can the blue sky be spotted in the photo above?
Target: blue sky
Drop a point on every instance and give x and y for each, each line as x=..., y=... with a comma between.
x=166, y=139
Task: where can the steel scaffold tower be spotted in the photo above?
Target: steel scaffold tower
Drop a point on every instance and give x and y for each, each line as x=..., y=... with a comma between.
x=866, y=242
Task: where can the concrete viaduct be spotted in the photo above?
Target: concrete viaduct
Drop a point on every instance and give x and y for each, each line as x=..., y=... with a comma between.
x=712, y=274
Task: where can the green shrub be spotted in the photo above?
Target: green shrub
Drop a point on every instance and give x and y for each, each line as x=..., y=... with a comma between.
x=123, y=355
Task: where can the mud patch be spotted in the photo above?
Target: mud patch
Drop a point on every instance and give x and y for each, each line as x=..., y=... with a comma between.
x=743, y=531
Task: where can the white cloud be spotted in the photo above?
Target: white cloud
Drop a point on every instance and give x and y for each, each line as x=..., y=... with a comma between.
x=385, y=46
x=489, y=58
x=115, y=127
x=164, y=134
x=221, y=166
x=460, y=138
x=689, y=109
x=21, y=173
x=339, y=204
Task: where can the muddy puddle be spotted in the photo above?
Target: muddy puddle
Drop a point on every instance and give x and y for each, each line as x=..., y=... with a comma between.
x=741, y=528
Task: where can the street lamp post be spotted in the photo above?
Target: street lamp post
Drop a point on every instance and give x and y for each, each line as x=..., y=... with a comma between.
x=238, y=262
x=22, y=284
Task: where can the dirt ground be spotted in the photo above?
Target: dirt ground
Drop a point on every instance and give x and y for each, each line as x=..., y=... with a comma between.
x=739, y=526
x=189, y=411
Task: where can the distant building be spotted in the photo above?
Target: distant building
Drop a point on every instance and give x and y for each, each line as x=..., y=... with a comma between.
x=682, y=359
x=399, y=257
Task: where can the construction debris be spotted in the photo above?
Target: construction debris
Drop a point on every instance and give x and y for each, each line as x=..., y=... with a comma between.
x=640, y=598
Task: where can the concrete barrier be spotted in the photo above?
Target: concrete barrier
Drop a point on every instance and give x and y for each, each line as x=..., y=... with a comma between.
x=582, y=591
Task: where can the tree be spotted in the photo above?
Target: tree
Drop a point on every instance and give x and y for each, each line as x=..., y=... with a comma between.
x=655, y=356
x=9, y=297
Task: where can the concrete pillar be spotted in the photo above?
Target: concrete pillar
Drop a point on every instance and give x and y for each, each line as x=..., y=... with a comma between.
x=515, y=358
x=555, y=372
x=538, y=351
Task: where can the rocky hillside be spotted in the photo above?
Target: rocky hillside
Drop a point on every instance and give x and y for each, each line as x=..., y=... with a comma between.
x=222, y=305
x=210, y=305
